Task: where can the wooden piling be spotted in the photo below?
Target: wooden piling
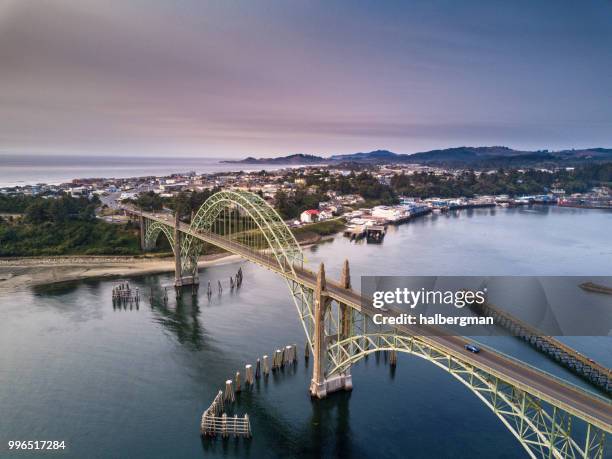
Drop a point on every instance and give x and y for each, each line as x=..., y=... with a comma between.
x=247, y=423
x=277, y=360
x=238, y=388
x=224, y=425
x=288, y=356
x=229, y=391
x=258, y=369
x=266, y=366
x=248, y=374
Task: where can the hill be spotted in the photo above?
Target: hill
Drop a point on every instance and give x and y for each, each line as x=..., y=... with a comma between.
x=494, y=156
x=297, y=159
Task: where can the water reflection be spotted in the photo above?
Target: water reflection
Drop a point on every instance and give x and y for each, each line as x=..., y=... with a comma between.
x=56, y=289
x=179, y=316
x=329, y=421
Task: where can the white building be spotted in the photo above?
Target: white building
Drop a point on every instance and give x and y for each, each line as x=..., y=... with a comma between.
x=387, y=212
x=309, y=216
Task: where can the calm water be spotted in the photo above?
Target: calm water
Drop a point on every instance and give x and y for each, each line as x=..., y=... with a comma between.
x=55, y=169
x=134, y=383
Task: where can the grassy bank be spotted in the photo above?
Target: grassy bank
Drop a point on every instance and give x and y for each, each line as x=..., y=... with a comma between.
x=316, y=230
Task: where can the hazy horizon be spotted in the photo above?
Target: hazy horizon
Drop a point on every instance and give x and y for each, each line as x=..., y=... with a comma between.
x=267, y=78
x=243, y=156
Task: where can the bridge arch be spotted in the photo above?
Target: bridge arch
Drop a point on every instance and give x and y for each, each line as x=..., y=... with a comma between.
x=277, y=236
x=154, y=229
x=543, y=431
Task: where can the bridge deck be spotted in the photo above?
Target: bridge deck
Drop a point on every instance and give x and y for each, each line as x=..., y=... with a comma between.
x=595, y=410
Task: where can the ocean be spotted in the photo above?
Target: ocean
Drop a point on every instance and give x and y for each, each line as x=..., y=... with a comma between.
x=27, y=169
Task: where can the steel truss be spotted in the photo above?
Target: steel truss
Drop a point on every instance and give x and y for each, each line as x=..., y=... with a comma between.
x=238, y=218
x=154, y=229
x=244, y=218
x=543, y=429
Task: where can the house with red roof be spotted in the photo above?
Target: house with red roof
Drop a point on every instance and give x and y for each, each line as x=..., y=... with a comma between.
x=309, y=216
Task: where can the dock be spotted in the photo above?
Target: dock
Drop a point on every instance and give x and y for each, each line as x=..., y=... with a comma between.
x=355, y=232
x=375, y=233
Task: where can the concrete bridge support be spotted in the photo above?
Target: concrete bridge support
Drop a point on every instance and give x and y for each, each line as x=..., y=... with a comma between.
x=180, y=277
x=320, y=385
x=346, y=321
x=143, y=244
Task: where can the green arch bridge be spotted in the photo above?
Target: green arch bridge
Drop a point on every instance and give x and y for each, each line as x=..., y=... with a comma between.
x=548, y=416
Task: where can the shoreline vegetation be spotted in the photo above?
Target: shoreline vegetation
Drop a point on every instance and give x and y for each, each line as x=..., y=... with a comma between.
x=18, y=273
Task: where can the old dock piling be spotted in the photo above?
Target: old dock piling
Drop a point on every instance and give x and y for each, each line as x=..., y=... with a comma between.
x=288, y=357
x=266, y=365
x=229, y=395
x=277, y=361
x=248, y=375
x=215, y=422
x=294, y=352
x=238, y=388
x=124, y=295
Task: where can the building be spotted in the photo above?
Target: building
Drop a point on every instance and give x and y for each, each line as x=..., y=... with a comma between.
x=309, y=216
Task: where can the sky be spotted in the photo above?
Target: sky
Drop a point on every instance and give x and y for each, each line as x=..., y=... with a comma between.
x=265, y=78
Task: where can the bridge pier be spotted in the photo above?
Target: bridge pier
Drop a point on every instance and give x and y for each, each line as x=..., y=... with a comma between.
x=320, y=385
x=141, y=221
x=346, y=321
x=180, y=279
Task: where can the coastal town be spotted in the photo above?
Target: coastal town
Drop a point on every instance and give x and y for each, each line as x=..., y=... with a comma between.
x=362, y=217
x=80, y=227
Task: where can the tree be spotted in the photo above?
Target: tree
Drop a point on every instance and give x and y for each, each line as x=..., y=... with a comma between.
x=150, y=201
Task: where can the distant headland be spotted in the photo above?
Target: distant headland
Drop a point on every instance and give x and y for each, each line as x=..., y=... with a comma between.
x=459, y=156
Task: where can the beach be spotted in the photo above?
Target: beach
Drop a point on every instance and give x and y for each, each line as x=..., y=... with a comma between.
x=23, y=273
x=20, y=273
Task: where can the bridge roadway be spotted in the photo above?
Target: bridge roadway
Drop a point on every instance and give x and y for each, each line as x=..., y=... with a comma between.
x=586, y=406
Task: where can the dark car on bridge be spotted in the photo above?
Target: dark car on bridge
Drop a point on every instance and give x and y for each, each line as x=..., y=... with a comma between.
x=472, y=348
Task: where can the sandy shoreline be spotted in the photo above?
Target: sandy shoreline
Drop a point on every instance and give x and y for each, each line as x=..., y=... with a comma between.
x=22, y=273
x=26, y=272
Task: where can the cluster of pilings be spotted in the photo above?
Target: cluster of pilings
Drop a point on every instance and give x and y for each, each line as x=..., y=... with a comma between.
x=286, y=356
x=280, y=359
x=235, y=282
x=216, y=422
x=124, y=295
